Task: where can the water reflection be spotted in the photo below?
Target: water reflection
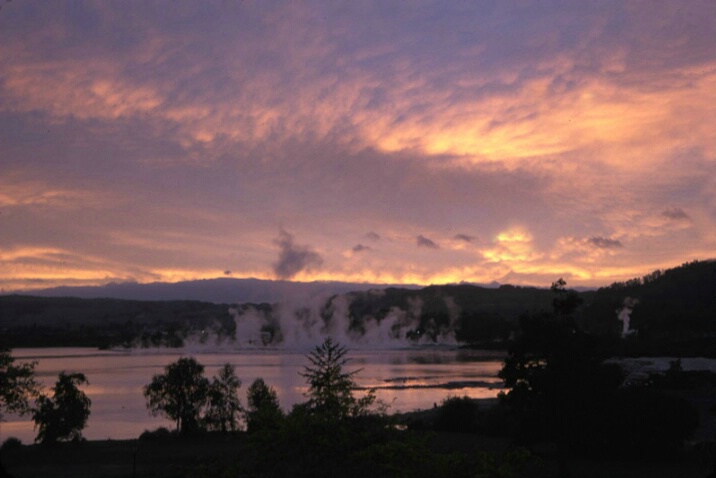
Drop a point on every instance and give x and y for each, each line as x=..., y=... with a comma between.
x=405, y=379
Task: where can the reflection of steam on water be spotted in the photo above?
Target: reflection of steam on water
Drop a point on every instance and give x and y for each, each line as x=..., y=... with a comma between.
x=290, y=325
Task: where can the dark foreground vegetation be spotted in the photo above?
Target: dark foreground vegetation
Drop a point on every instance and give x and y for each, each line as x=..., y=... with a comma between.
x=344, y=450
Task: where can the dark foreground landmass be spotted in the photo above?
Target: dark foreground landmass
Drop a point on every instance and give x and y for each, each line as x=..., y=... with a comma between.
x=219, y=455
x=453, y=439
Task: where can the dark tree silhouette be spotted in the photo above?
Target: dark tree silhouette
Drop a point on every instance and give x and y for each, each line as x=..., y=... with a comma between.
x=562, y=389
x=223, y=404
x=63, y=416
x=565, y=301
x=17, y=384
x=264, y=411
x=553, y=369
x=179, y=393
x=330, y=388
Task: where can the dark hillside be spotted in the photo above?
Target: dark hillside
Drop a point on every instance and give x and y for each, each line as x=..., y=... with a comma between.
x=27, y=321
x=673, y=310
x=474, y=314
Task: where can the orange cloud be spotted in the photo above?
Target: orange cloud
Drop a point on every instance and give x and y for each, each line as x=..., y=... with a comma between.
x=17, y=191
x=514, y=245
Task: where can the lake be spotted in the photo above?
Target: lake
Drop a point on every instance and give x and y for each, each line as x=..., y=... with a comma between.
x=407, y=379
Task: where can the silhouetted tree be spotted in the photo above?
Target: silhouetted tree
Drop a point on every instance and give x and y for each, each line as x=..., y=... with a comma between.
x=554, y=371
x=179, y=393
x=565, y=301
x=264, y=411
x=330, y=389
x=223, y=405
x=17, y=384
x=63, y=416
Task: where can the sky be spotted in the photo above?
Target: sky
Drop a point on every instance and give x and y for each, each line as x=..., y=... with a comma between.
x=421, y=142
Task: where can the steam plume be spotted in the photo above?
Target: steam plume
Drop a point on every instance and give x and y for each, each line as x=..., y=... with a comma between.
x=624, y=314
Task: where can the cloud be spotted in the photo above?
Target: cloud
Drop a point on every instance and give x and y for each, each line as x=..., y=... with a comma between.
x=676, y=214
x=464, y=237
x=294, y=259
x=155, y=137
x=604, y=242
x=423, y=241
x=513, y=246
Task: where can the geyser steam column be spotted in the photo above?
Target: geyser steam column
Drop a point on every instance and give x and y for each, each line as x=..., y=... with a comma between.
x=624, y=314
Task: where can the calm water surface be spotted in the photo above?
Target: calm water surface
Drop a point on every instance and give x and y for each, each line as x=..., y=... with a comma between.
x=407, y=379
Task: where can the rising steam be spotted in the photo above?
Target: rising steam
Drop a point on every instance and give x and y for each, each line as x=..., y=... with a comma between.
x=289, y=325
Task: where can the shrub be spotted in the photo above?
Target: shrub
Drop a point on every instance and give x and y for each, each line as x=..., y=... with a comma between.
x=157, y=434
x=12, y=443
x=458, y=414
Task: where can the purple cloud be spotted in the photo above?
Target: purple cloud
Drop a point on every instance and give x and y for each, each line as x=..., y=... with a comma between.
x=423, y=241
x=676, y=214
x=604, y=243
x=293, y=258
x=464, y=237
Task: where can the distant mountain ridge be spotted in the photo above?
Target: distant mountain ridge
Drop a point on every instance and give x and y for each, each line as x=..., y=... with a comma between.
x=218, y=291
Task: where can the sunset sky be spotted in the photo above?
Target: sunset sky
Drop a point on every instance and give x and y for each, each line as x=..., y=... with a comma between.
x=372, y=141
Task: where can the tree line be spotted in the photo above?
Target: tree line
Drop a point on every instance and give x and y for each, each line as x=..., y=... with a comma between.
x=184, y=395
